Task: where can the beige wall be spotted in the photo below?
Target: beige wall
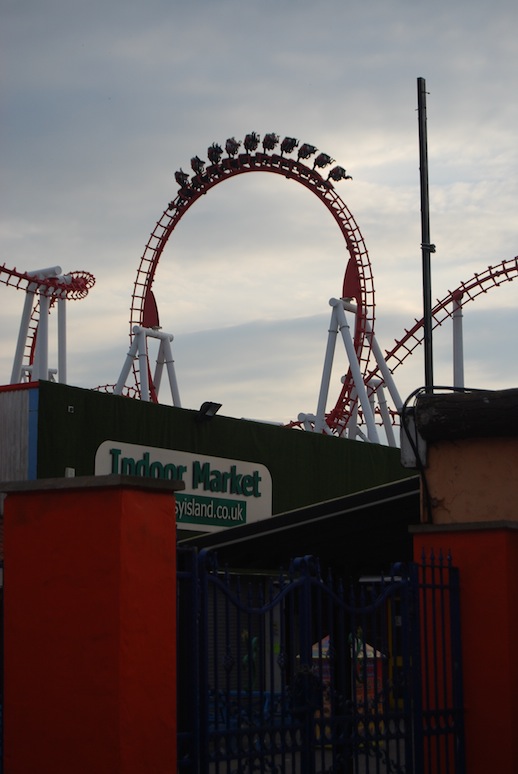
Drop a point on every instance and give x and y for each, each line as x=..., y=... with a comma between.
x=473, y=480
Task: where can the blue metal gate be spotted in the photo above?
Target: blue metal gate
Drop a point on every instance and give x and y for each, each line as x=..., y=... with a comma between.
x=297, y=673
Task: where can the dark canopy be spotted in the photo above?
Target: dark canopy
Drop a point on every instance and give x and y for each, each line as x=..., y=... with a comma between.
x=362, y=533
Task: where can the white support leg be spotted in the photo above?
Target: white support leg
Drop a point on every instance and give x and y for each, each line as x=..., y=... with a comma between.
x=380, y=360
x=326, y=373
x=40, y=366
x=308, y=421
x=139, y=349
x=126, y=368
x=160, y=360
x=143, y=364
x=62, y=340
x=165, y=357
x=42, y=340
x=352, y=425
x=175, y=393
x=385, y=414
x=16, y=374
x=458, y=344
x=355, y=370
x=372, y=399
x=385, y=371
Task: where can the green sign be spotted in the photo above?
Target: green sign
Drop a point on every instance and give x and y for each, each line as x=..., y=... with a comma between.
x=196, y=509
x=218, y=492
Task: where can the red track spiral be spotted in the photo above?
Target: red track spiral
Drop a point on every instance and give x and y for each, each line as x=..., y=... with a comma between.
x=73, y=288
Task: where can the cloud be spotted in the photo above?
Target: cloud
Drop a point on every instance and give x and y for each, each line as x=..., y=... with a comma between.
x=272, y=370
x=104, y=101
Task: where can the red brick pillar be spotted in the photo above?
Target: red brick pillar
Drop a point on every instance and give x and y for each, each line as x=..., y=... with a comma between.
x=487, y=557
x=470, y=493
x=90, y=626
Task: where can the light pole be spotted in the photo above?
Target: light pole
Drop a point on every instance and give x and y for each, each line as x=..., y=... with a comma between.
x=426, y=247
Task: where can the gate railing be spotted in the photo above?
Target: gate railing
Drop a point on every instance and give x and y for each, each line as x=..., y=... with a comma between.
x=295, y=673
x=440, y=723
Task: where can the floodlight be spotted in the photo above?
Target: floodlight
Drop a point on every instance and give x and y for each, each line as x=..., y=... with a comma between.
x=207, y=410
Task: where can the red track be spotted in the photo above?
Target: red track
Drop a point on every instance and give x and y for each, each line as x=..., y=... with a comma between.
x=358, y=279
x=492, y=277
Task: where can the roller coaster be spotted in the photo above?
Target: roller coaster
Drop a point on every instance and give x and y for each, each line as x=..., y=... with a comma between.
x=361, y=405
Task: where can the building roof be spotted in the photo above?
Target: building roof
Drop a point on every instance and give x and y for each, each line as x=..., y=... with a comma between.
x=361, y=533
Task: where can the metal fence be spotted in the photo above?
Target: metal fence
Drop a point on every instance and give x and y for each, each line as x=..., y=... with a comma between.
x=299, y=673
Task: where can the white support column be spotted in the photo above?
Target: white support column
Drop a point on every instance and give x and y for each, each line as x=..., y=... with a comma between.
x=307, y=421
x=372, y=398
x=159, y=367
x=168, y=356
x=41, y=358
x=380, y=360
x=361, y=434
x=62, y=340
x=165, y=357
x=65, y=279
x=355, y=369
x=49, y=271
x=142, y=363
x=30, y=294
x=352, y=425
x=326, y=373
x=126, y=368
x=385, y=414
x=385, y=371
x=139, y=348
x=16, y=374
x=458, y=343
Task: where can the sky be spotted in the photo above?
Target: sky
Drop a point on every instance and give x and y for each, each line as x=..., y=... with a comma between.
x=101, y=103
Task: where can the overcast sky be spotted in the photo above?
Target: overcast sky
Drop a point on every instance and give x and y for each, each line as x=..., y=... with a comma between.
x=102, y=101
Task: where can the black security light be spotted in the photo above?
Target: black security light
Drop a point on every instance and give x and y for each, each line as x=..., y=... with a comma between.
x=207, y=410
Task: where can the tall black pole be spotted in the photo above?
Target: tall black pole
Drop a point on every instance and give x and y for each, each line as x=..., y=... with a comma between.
x=426, y=247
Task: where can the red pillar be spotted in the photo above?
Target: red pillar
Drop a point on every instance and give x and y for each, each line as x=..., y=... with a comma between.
x=487, y=558
x=90, y=626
